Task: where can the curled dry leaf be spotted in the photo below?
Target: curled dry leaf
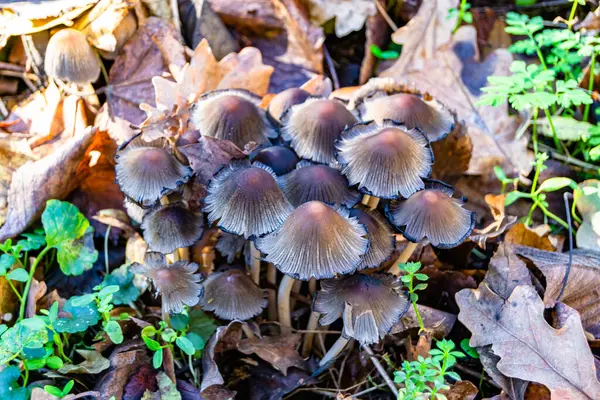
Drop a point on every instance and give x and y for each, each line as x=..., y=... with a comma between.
x=93, y=363
x=349, y=16
x=52, y=177
x=461, y=390
x=528, y=347
x=581, y=291
x=269, y=384
x=225, y=338
x=100, y=22
x=501, y=222
x=279, y=351
x=506, y=272
x=521, y=235
x=513, y=388
x=455, y=149
x=23, y=18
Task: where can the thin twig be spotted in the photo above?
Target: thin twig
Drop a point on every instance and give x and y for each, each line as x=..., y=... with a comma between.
x=566, y=278
x=175, y=11
x=385, y=15
x=331, y=67
x=369, y=390
x=382, y=372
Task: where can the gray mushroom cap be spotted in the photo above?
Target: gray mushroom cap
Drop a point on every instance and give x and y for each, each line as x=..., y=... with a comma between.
x=178, y=283
x=230, y=246
x=246, y=200
x=316, y=241
x=384, y=98
x=434, y=214
x=70, y=58
x=381, y=237
x=284, y=100
x=313, y=127
x=232, y=295
x=171, y=226
x=146, y=171
x=234, y=115
x=369, y=304
x=310, y=181
x=385, y=160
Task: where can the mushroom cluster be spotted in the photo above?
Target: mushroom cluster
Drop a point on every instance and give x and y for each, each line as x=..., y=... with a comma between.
x=303, y=198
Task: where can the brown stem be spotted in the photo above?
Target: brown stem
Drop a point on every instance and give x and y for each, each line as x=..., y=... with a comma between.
x=272, y=293
x=373, y=202
x=404, y=256
x=295, y=291
x=254, y=263
x=365, y=199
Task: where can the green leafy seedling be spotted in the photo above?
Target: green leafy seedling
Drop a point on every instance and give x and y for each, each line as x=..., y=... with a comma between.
x=60, y=393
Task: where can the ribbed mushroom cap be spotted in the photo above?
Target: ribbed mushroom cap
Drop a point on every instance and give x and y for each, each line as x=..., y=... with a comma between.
x=146, y=171
x=381, y=237
x=246, y=200
x=385, y=160
x=369, y=304
x=168, y=227
x=233, y=115
x=279, y=158
x=178, y=283
x=231, y=294
x=316, y=241
x=284, y=100
x=230, y=245
x=70, y=58
x=313, y=127
x=434, y=214
x=415, y=112
x=311, y=181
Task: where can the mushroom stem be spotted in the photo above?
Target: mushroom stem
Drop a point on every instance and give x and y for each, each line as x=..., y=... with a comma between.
x=312, y=286
x=283, y=304
x=272, y=279
x=248, y=331
x=254, y=263
x=334, y=351
x=373, y=202
x=404, y=256
x=312, y=325
x=296, y=291
x=365, y=199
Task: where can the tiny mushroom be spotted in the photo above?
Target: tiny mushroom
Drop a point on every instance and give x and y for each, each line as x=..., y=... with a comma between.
x=280, y=159
x=234, y=115
x=370, y=305
x=310, y=181
x=433, y=214
x=70, y=58
x=313, y=127
x=171, y=226
x=230, y=246
x=232, y=295
x=384, y=98
x=385, y=160
x=178, y=283
x=146, y=171
x=316, y=241
x=283, y=101
x=244, y=199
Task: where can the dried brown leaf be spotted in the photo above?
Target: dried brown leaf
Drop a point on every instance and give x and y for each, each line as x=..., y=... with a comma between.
x=245, y=70
x=100, y=22
x=501, y=222
x=226, y=337
x=521, y=235
x=514, y=389
x=349, y=16
x=506, y=272
x=124, y=361
x=437, y=321
x=528, y=347
x=279, y=351
x=455, y=150
x=462, y=390
x=52, y=177
x=581, y=292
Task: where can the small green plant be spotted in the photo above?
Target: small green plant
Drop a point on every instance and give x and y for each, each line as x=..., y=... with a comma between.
x=389, y=54
x=409, y=279
x=60, y=393
x=66, y=231
x=537, y=194
x=462, y=13
x=101, y=301
x=426, y=377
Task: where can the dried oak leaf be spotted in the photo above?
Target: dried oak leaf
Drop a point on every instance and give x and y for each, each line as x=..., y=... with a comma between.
x=93, y=363
x=513, y=388
x=453, y=154
x=52, y=177
x=528, y=347
x=225, y=338
x=100, y=22
x=140, y=60
x=521, y=235
x=208, y=155
x=501, y=222
x=279, y=351
x=461, y=390
x=581, y=292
